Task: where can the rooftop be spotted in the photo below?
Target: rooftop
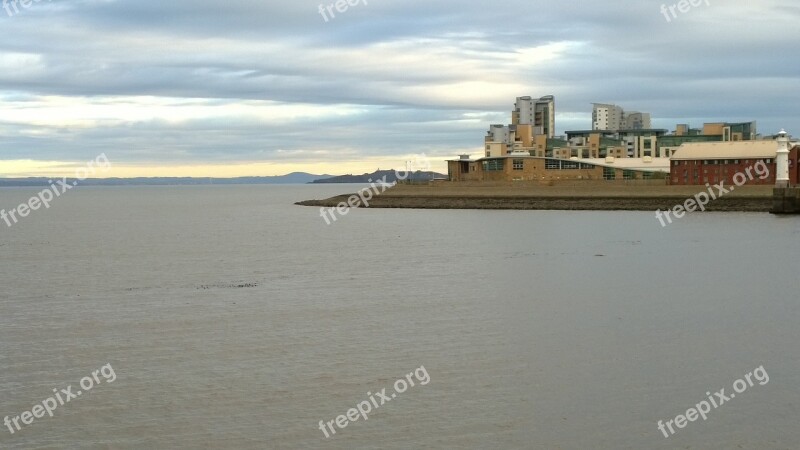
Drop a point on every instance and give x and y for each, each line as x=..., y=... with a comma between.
x=727, y=150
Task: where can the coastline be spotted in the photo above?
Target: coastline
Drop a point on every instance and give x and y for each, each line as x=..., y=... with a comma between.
x=567, y=196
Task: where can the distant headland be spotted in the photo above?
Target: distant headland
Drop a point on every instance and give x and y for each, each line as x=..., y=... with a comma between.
x=291, y=178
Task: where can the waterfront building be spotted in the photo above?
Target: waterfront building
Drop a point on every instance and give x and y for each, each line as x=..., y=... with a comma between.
x=520, y=166
x=607, y=117
x=539, y=113
x=615, y=136
x=711, y=132
x=715, y=162
x=533, y=122
x=619, y=144
x=635, y=120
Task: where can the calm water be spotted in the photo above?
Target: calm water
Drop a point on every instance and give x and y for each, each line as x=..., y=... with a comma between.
x=234, y=319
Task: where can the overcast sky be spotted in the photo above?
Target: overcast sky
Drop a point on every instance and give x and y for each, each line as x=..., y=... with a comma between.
x=261, y=87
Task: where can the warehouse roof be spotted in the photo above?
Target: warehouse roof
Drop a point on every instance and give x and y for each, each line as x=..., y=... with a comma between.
x=726, y=150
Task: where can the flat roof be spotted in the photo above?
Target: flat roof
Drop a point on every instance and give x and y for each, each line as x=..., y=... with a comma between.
x=589, y=132
x=642, y=130
x=630, y=163
x=726, y=150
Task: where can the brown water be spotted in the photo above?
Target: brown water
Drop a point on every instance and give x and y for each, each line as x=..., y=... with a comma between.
x=233, y=319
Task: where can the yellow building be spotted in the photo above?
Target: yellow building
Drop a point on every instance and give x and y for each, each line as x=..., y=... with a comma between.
x=523, y=167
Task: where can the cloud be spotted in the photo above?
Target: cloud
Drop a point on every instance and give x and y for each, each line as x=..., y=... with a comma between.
x=206, y=82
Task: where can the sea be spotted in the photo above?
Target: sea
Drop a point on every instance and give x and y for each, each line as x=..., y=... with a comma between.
x=231, y=318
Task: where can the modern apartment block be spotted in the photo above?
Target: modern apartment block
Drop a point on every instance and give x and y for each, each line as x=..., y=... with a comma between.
x=635, y=120
x=532, y=120
x=607, y=117
x=619, y=146
x=642, y=143
x=711, y=132
x=540, y=113
x=613, y=118
x=615, y=135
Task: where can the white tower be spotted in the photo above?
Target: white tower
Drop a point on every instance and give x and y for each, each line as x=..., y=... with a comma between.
x=782, y=161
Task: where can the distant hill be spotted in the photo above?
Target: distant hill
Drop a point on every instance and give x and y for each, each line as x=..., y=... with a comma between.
x=292, y=178
x=390, y=175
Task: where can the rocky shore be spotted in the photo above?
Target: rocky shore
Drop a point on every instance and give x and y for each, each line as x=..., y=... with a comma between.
x=530, y=196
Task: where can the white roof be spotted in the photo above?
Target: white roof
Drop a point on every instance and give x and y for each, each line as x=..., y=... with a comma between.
x=652, y=164
x=727, y=150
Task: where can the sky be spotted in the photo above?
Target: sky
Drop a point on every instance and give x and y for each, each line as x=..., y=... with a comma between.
x=261, y=87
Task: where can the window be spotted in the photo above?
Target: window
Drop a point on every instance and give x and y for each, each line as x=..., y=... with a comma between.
x=609, y=173
x=569, y=165
x=628, y=175
x=493, y=165
x=518, y=164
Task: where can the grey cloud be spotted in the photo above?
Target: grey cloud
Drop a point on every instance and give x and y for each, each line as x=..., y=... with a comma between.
x=395, y=59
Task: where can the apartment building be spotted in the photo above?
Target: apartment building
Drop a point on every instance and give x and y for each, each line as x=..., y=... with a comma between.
x=613, y=118
x=532, y=120
x=539, y=113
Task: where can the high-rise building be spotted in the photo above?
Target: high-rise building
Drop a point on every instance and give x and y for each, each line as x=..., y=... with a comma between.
x=635, y=120
x=607, y=117
x=614, y=118
x=540, y=113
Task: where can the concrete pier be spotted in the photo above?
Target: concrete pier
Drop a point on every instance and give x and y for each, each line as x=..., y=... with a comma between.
x=786, y=200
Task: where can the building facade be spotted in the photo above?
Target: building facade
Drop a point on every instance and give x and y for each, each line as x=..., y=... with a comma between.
x=539, y=113
x=619, y=144
x=637, y=121
x=522, y=167
x=607, y=117
x=721, y=162
x=610, y=117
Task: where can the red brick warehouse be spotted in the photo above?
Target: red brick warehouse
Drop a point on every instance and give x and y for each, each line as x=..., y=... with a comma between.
x=715, y=162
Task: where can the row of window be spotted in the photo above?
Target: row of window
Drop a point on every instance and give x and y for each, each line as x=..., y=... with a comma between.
x=559, y=164
x=494, y=165
x=611, y=174
x=697, y=180
x=549, y=164
x=713, y=162
x=730, y=171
